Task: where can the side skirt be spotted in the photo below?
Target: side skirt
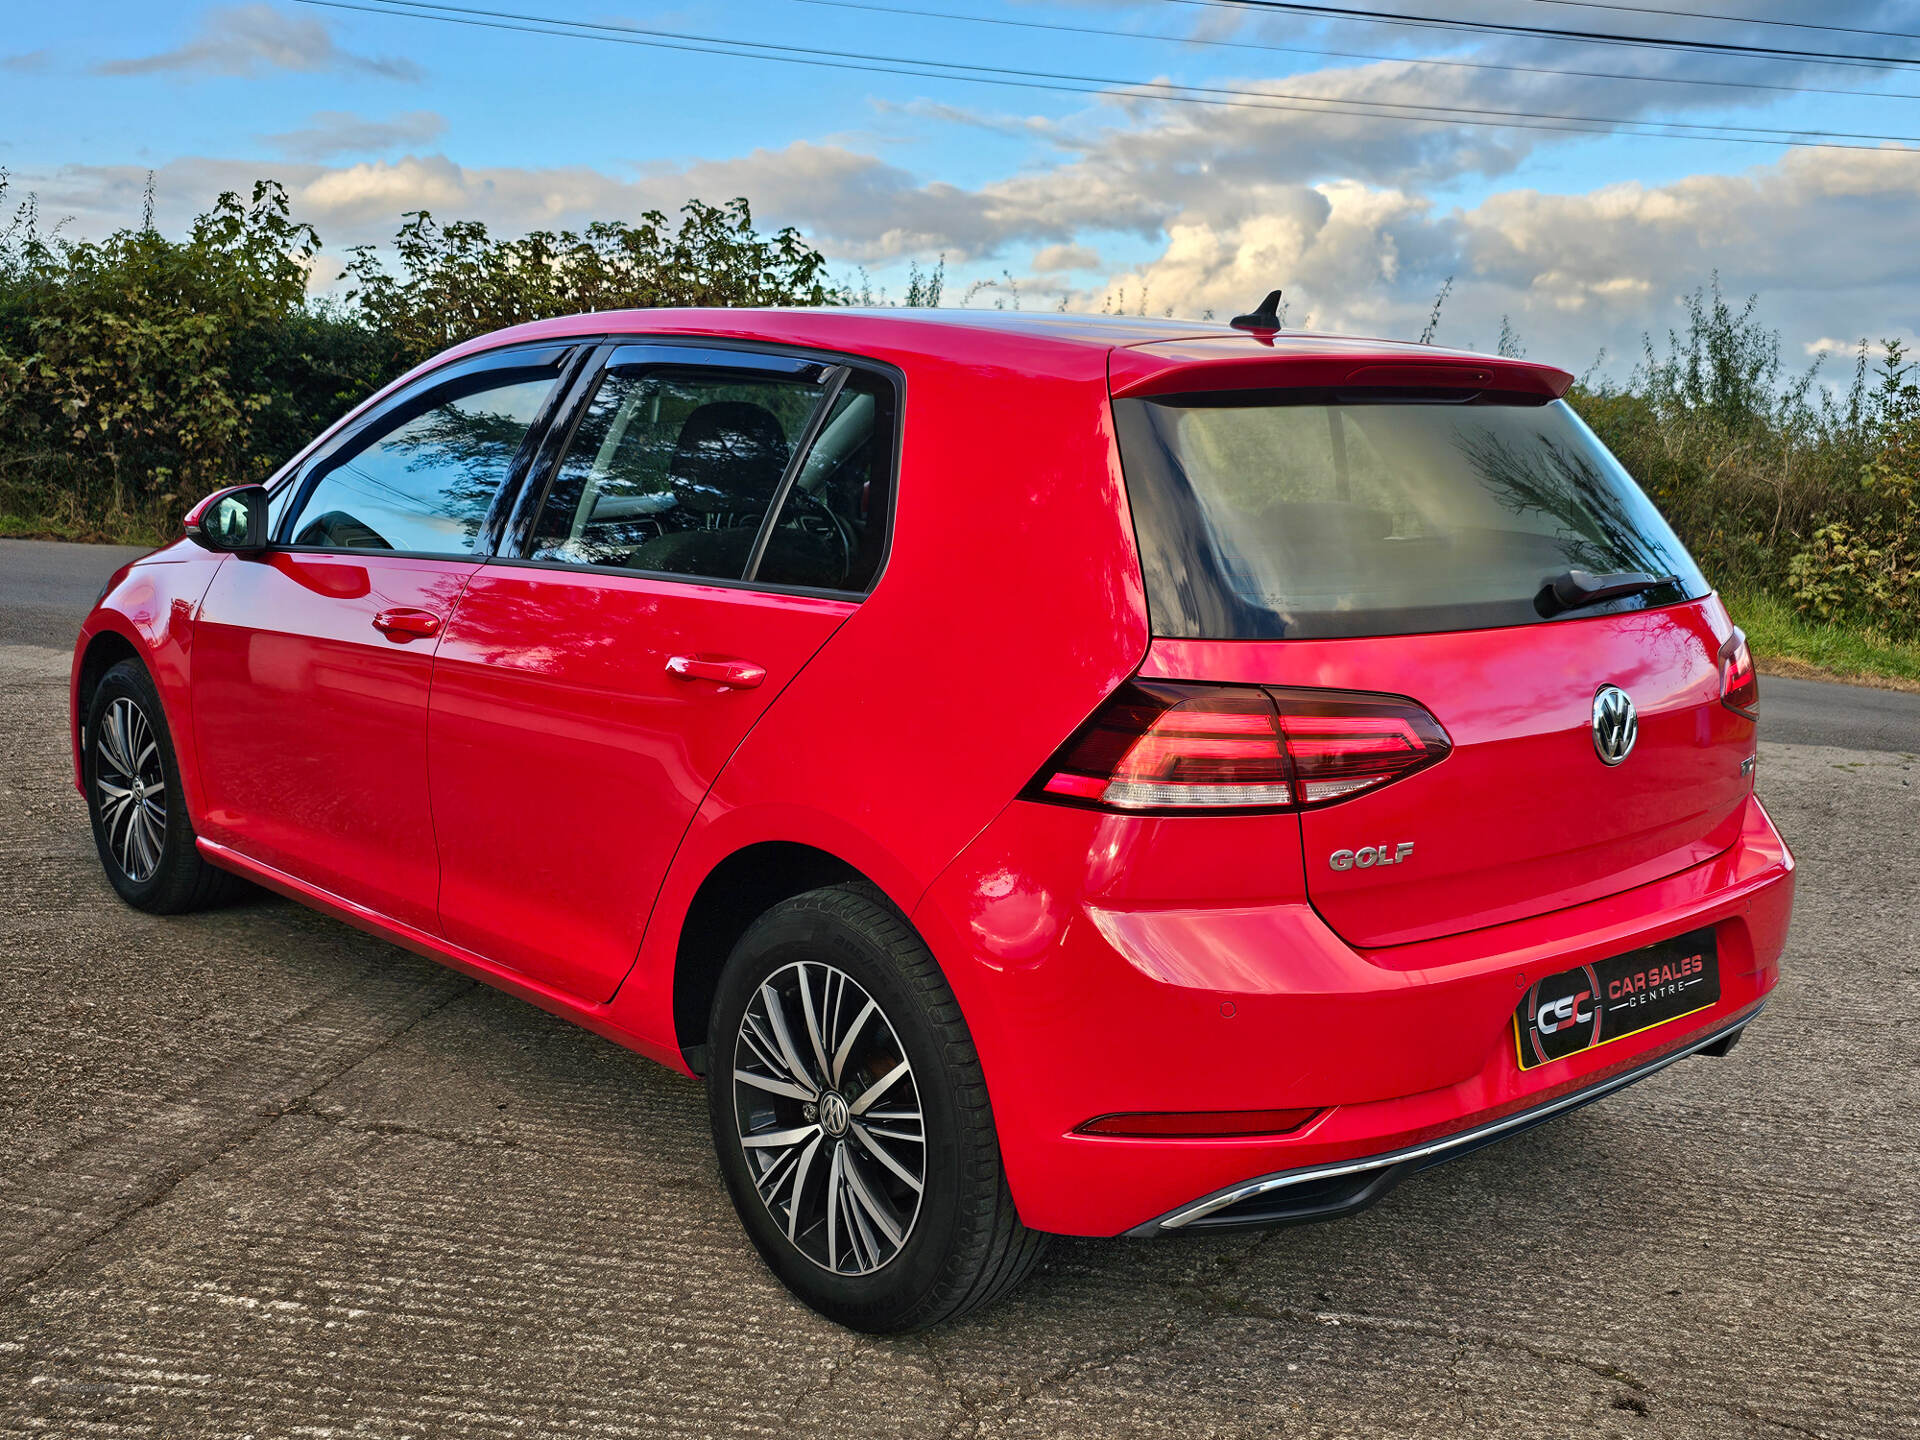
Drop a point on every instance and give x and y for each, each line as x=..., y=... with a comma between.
x=597, y=1018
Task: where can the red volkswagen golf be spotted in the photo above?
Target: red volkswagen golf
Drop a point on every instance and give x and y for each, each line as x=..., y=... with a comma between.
x=1048, y=775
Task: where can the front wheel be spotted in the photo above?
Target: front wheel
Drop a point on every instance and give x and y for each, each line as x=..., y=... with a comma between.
x=852, y=1121
x=139, y=816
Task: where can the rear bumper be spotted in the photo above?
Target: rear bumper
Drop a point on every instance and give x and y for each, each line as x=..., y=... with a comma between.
x=1085, y=1004
x=1326, y=1192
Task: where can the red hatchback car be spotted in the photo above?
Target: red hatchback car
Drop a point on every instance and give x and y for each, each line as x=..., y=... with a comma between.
x=1047, y=774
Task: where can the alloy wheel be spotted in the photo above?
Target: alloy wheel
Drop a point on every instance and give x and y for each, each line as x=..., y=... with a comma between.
x=131, y=788
x=829, y=1118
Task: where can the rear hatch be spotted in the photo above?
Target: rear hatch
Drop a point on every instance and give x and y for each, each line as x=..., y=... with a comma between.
x=1405, y=540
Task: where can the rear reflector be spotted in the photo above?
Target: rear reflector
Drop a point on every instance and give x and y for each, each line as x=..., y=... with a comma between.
x=1170, y=747
x=1739, y=682
x=1196, y=1125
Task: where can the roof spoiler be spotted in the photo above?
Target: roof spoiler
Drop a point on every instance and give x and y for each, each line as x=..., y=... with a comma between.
x=1189, y=367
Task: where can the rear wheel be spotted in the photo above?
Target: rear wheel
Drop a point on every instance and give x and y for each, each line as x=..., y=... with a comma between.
x=852, y=1121
x=140, y=823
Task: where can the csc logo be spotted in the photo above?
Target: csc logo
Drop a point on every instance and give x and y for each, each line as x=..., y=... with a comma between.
x=1368, y=856
x=1558, y=1014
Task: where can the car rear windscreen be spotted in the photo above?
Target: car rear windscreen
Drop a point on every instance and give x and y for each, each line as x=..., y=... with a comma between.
x=1270, y=515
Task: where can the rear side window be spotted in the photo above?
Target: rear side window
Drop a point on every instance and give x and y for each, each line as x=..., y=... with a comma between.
x=422, y=481
x=831, y=532
x=1262, y=516
x=674, y=472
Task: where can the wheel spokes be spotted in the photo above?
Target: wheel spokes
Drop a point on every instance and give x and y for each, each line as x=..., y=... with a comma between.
x=873, y=1147
x=829, y=1117
x=130, y=789
x=814, y=1036
x=846, y=1041
x=782, y=1036
x=879, y=1088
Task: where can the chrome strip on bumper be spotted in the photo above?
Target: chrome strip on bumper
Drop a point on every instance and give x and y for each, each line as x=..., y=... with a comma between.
x=1436, y=1150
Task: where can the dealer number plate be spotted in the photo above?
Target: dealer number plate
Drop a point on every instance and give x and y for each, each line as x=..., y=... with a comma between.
x=1613, y=998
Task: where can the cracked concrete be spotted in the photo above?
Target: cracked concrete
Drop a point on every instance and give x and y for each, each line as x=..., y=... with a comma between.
x=263, y=1175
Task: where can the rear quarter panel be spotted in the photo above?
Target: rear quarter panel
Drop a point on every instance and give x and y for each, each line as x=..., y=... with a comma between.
x=1010, y=605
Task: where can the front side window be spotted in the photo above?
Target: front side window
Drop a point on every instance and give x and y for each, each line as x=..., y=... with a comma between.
x=423, y=483
x=673, y=471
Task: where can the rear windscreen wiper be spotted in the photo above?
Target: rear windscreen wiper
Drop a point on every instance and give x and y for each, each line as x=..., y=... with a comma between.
x=1577, y=589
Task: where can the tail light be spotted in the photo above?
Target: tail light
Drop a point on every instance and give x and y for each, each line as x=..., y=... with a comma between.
x=1166, y=747
x=1739, y=682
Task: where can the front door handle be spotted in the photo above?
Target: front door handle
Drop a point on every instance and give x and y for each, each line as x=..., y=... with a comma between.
x=721, y=669
x=404, y=624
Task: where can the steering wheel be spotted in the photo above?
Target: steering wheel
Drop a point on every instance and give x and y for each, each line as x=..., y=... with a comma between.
x=818, y=510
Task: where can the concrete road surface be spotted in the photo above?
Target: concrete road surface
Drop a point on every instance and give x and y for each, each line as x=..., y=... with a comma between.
x=261, y=1175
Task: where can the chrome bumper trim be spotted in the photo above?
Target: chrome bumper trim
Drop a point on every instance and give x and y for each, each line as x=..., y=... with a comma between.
x=1435, y=1151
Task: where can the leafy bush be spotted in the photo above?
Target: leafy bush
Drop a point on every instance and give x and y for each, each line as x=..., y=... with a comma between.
x=456, y=281
x=138, y=373
x=134, y=371
x=1867, y=571
x=1777, y=483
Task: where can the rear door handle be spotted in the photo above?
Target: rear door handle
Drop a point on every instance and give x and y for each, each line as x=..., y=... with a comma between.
x=406, y=624
x=736, y=674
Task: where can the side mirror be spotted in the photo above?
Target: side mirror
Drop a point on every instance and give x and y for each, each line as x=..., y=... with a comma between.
x=233, y=520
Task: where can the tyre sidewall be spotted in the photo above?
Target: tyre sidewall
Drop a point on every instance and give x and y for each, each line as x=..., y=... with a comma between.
x=886, y=1299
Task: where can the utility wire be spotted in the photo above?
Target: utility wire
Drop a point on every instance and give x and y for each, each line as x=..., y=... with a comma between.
x=1734, y=19
x=1101, y=85
x=1063, y=28
x=1547, y=32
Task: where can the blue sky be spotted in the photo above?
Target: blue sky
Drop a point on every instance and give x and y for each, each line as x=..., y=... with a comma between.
x=1582, y=241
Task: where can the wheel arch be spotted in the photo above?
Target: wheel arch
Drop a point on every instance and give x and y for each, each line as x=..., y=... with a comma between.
x=735, y=892
x=104, y=649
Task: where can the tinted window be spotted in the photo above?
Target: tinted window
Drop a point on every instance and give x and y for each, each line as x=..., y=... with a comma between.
x=423, y=483
x=1261, y=520
x=832, y=530
x=673, y=471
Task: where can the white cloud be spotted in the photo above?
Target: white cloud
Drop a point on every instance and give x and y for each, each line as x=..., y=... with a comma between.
x=328, y=133
x=250, y=39
x=1058, y=259
x=1823, y=240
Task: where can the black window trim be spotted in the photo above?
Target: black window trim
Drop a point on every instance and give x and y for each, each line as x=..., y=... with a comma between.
x=706, y=352
x=307, y=469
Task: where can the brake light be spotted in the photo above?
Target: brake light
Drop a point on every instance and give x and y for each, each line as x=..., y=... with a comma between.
x=1173, y=747
x=1739, y=681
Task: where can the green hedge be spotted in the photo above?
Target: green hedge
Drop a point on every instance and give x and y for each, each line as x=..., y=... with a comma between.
x=137, y=372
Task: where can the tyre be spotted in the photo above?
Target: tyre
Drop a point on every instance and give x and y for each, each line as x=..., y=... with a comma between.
x=140, y=822
x=852, y=1122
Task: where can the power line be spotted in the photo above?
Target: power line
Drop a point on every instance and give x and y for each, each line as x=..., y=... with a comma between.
x=1547, y=32
x=1734, y=19
x=1060, y=27
x=822, y=57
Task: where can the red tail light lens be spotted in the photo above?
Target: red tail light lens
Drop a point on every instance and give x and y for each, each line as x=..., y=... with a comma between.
x=1343, y=743
x=1175, y=748
x=1739, y=681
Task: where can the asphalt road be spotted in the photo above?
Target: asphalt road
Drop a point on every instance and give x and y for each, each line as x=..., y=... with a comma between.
x=46, y=588
x=262, y=1175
